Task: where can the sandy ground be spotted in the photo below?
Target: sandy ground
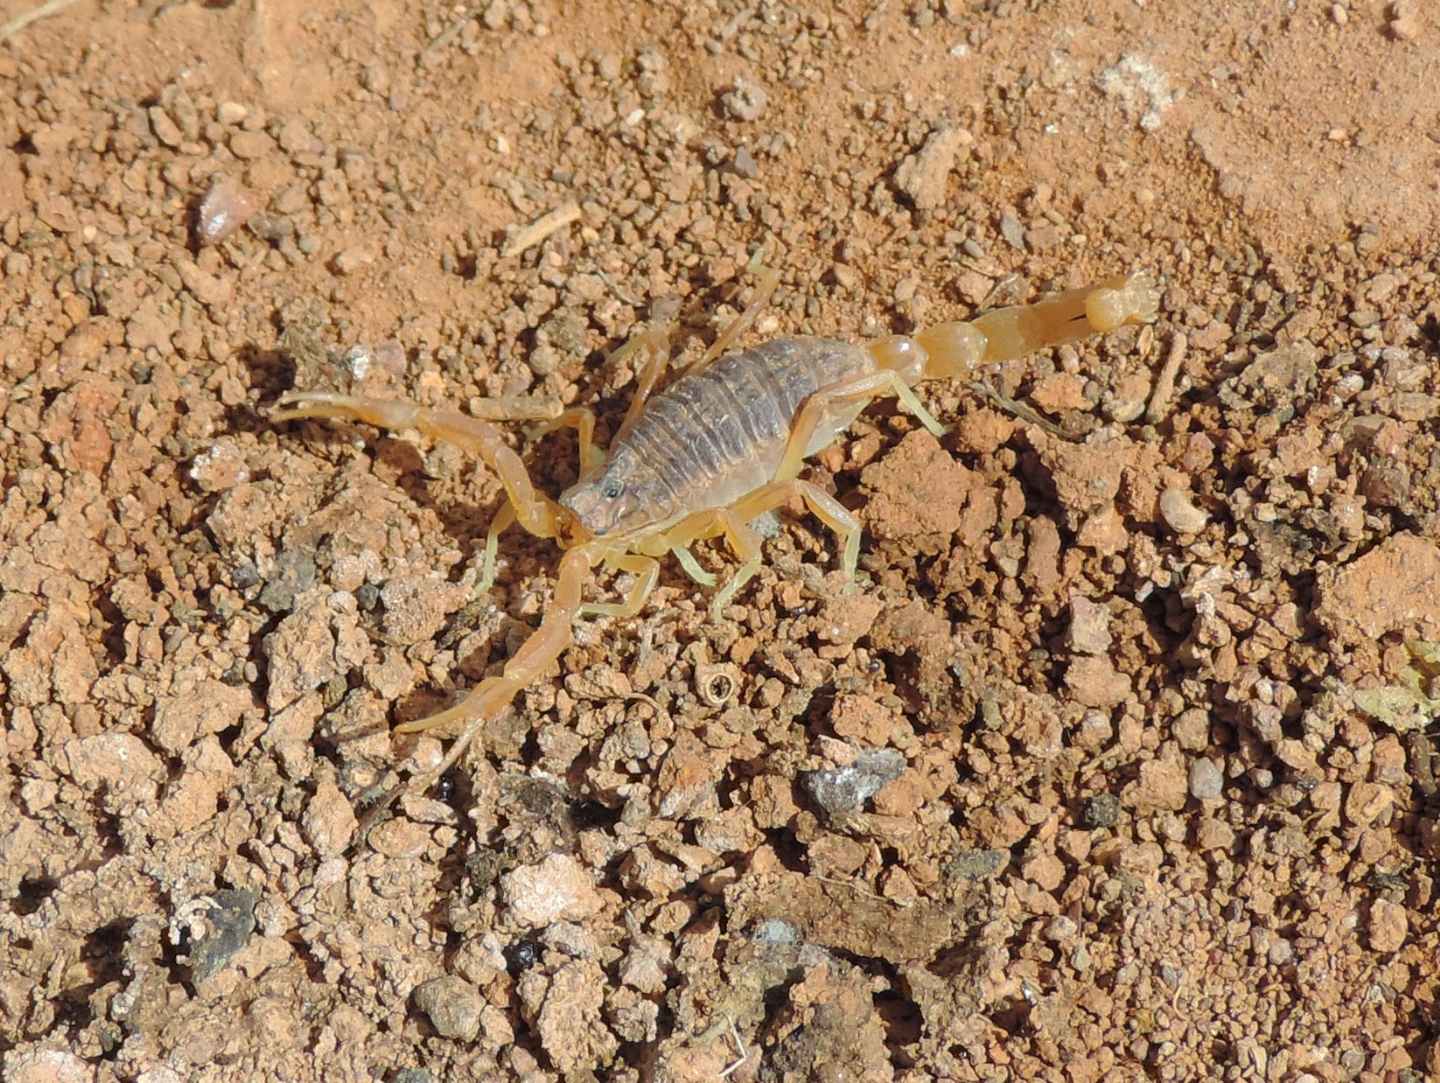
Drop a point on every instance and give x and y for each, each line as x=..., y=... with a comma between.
x=1116, y=763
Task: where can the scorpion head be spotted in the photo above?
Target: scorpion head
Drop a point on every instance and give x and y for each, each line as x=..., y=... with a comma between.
x=608, y=502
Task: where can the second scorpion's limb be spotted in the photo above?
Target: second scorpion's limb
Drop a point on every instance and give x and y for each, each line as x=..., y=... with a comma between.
x=534, y=511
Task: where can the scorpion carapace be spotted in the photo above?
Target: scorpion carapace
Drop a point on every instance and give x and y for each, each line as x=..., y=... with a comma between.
x=723, y=444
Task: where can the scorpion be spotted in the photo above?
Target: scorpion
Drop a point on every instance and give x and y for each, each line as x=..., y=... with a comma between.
x=720, y=446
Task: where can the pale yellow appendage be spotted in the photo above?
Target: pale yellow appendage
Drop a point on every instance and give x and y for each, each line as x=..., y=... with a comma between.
x=955, y=349
x=646, y=571
x=732, y=523
x=872, y=385
x=767, y=280
x=534, y=511
x=582, y=420
x=691, y=566
x=490, y=697
x=654, y=343
x=503, y=520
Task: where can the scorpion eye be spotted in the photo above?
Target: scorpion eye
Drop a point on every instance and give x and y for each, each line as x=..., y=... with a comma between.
x=611, y=490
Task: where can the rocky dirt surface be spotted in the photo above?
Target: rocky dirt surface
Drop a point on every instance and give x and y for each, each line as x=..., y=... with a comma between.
x=1117, y=762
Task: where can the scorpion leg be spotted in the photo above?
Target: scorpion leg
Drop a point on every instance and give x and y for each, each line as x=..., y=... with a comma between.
x=503, y=520
x=743, y=541
x=821, y=504
x=646, y=571
x=582, y=420
x=769, y=278
x=534, y=511
x=732, y=522
x=691, y=566
x=859, y=389
x=745, y=544
x=654, y=342
x=834, y=515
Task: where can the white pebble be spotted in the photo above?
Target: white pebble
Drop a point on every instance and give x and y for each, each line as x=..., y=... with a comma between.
x=1180, y=513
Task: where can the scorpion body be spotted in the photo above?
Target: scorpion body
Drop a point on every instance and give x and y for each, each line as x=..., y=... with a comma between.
x=722, y=445
x=715, y=436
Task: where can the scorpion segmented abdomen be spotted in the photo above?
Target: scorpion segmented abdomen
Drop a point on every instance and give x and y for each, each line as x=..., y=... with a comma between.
x=715, y=435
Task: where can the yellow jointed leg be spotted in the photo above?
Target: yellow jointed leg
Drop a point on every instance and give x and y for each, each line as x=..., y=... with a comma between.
x=822, y=505
x=764, y=288
x=873, y=385
x=582, y=420
x=745, y=544
x=743, y=541
x=646, y=571
x=838, y=518
x=732, y=522
x=654, y=343
x=691, y=566
x=504, y=519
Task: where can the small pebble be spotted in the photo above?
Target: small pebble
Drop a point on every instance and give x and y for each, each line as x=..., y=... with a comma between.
x=1012, y=231
x=166, y=130
x=230, y=920
x=1389, y=924
x=1061, y=929
x=745, y=101
x=1089, y=631
x=1100, y=811
x=248, y=146
x=350, y=260
x=1206, y=779
x=1180, y=513
x=225, y=207
x=977, y=864
x=841, y=790
x=452, y=1005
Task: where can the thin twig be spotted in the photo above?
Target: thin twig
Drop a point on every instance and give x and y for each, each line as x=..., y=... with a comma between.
x=541, y=228
x=1165, y=381
x=741, y=1054
x=20, y=22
